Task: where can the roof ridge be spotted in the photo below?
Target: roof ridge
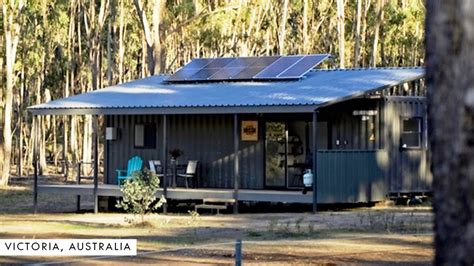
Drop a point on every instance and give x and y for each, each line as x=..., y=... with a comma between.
x=366, y=68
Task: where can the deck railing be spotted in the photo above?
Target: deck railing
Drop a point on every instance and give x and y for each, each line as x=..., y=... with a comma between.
x=351, y=175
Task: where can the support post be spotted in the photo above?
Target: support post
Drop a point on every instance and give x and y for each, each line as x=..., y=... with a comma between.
x=35, y=164
x=64, y=169
x=165, y=162
x=236, y=164
x=95, y=140
x=315, y=160
x=78, y=181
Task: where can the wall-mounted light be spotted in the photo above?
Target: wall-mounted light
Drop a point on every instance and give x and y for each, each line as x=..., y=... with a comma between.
x=364, y=114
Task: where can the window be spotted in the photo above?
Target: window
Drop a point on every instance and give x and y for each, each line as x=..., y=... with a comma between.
x=411, y=132
x=145, y=136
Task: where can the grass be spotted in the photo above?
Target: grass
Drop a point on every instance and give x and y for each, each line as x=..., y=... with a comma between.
x=301, y=234
x=19, y=199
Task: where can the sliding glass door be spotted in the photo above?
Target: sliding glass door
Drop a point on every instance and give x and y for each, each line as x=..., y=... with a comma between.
x=286, y=151
x=275, y=150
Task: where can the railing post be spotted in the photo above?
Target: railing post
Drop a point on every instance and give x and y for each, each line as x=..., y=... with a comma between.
x=238, y=252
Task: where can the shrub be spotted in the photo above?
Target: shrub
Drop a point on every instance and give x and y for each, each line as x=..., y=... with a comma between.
x=139, y=194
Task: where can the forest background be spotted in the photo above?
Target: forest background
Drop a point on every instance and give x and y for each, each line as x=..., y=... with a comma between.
x=51, y=49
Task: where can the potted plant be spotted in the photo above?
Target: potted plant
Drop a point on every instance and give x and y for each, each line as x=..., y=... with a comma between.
x=175, y=153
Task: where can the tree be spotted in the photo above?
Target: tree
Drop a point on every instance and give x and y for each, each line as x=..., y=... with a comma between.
x=12, y=13
x=450, y=62
x=151, y=34
x=282, y=36
x=378, y=23
x=139, y=194
x=93, y=25
x=340, y=32
x=357, y=33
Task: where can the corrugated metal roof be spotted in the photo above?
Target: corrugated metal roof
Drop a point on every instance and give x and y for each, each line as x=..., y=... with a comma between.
x=318, y=87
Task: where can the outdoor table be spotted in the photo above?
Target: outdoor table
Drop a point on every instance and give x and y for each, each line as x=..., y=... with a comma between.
x=174, y=170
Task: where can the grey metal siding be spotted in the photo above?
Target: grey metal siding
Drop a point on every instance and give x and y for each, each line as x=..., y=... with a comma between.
x=207, y=138
x=408, y=169
x=351, y=176
x=351, y=131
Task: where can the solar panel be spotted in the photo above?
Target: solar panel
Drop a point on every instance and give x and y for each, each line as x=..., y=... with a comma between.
x=243, y=61
x=203, y=74
x=198, y=63
x=183, y=73
x=248, y=73
x=219, y=62
x=256, y=67
x=233, y=68
x=303, y=66
x=247, y=68
x=209, y=69
x=226, y=73
x=189, y=69
x=265, y=61
x=280, y=65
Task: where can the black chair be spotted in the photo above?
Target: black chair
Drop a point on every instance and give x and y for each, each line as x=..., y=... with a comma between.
x=191, y=173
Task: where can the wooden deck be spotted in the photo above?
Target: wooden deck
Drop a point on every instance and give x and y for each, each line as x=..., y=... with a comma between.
x=187, y=194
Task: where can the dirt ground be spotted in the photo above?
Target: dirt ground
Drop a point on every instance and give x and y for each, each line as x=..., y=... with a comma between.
x=379, y=235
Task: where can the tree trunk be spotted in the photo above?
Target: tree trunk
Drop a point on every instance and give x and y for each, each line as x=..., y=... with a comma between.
x=152, y=34
x=282, y=35
x=363, y=37
x=19, y=131
x=110, y=47
x=157, y=52
x=87, y=143
x=450, y=60
x=7, y=107
x=41, y=122
x=121, y=49
x=341, y=32
x=93, y=24
x=305, y=27
x=373, y=60
x=11, y=30
x=357, y=34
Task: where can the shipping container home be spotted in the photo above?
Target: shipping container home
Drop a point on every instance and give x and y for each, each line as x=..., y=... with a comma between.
x=363, y=133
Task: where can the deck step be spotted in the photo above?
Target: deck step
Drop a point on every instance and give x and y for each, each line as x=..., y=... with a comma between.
x=211, y=206
x=217, y=200
x=215, y=204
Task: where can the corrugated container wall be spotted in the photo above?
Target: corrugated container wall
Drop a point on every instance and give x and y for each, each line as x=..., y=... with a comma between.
x=207, y=138
x=408, y=169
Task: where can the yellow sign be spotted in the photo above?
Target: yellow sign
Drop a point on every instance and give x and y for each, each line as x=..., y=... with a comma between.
x=249, y=130
x=372, y=137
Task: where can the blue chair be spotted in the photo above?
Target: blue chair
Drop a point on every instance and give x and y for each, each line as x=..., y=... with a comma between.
x=134, y=164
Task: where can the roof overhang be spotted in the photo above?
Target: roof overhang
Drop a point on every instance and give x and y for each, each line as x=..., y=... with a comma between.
x=151, y=96
x=178, y=110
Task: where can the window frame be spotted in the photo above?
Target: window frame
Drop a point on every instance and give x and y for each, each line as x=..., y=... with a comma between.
x=403, y=132
x=152, y=145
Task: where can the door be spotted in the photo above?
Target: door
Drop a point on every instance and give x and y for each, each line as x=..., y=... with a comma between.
x=285, y=154
x=275, y=154
x=411, y=153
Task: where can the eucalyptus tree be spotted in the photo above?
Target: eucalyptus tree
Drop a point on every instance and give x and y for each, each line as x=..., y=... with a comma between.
x=450, y=62
x=151, y=32
x=12, y=14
